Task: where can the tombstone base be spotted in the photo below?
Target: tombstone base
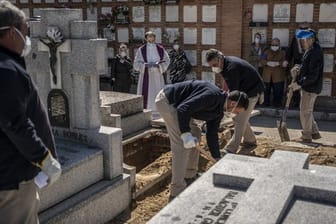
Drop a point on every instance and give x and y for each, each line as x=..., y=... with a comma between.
x=98, y=203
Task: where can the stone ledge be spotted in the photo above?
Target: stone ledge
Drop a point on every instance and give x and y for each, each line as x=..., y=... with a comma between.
x=98, y=203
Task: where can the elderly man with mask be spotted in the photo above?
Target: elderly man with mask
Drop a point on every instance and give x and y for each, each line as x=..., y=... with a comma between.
x=27, y=143
x=242, y=76
x=309, y=81
x=151, y=60
x=182, y=102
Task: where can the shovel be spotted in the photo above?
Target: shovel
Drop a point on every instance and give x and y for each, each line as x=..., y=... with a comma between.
x=282, y=125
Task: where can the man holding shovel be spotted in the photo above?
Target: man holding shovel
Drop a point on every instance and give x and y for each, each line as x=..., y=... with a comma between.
x=179, y=104
x=309, y=80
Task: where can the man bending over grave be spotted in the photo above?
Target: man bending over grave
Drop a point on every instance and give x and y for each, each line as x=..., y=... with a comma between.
x=26, y=141
x=179, y=104
x=239, y=75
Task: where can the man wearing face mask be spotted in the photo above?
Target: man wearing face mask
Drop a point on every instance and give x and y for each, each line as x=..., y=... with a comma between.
x=121, y=68
x=309, y=81
x=179, y=65
x=26, y=140
x=274, y=73
x=242, y=76
x=294, y=55
x=182, y=102
x=151, y=60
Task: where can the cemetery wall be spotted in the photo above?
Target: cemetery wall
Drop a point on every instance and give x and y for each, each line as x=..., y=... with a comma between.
x=204, y=24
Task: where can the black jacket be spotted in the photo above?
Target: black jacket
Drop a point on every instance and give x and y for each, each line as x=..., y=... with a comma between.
x=199, y=100
x=311, y=72
x=25, y=133
x=242, y=76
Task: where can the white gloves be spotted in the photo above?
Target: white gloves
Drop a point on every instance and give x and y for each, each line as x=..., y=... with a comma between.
x=294, y=86
x=285, y=64
x=273, y=63
x=189, y=141
x=295, y=71
x=261, y=98
x=52, y=168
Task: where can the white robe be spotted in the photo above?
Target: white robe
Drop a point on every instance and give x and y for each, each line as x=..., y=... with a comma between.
x=155, y=75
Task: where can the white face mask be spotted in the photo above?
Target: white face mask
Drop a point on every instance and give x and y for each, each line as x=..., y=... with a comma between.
x=176, y=47
x=217, y=70
x=274, y=48
x=123, y=54
x=27, y=42
x=230, y=113
x=257, y=40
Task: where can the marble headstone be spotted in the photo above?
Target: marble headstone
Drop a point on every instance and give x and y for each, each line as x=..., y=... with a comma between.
x=155, y=13
x=92, y=13
x=281, y=13
x=327, y=13
x=123, y=35
x=283, y=35
x=138, y=13
x=327, y=37
x=209, y=36
x=190, y=35
x=326, y=87
x=249, y=190
x=190, y=13
x=138, y=33
x=328, y=63
x=209, y=76
x=260, y=13
x=172, y=13
x=192, y=56
x=173, y=33
x=209, y=13
x=304, y=13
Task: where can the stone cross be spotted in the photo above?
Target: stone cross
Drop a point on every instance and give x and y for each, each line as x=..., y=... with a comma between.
x=273, y=186
x=64, y=48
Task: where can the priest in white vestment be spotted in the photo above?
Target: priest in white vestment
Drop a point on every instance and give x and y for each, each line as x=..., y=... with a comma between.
x=151, y=60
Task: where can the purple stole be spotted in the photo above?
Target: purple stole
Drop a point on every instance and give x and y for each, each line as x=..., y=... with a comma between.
x=145, y=82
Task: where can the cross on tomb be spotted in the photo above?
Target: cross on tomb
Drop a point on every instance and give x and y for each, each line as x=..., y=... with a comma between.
x=273, y=186
x=64, y=48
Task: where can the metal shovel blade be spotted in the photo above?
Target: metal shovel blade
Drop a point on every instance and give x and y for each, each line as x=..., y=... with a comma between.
x=283, y=132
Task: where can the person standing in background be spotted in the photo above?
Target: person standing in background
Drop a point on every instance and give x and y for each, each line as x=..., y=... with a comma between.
x=151, y=60
x=256, y=51
x=309, y=81
x=274, y=73
x=26, y=140
x=121, y=69
x=179, y=65
x=294, y=56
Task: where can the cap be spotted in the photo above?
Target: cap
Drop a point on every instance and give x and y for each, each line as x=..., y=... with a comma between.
x=305, y=34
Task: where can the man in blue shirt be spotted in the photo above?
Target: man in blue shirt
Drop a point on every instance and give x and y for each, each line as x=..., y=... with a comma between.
x=179, y=104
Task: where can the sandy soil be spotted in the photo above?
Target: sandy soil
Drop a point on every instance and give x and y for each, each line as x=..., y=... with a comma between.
x=145, y=208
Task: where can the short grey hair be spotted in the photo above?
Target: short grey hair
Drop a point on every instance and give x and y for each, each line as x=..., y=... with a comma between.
x=10, y=15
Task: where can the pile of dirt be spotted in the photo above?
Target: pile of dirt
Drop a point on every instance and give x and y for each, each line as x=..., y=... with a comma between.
x=157, y=168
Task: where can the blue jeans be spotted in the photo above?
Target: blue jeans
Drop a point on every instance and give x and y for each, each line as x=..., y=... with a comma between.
x=278, y=94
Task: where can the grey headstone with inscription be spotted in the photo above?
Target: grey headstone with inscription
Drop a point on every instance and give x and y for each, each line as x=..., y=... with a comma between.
x=251, y=190
x=91, y=154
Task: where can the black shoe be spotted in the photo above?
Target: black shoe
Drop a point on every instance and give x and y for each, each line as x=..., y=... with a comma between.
x=316, y=136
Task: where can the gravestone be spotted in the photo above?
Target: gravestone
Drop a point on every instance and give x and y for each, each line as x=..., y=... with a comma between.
x=242, y=189
x=92, y=187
